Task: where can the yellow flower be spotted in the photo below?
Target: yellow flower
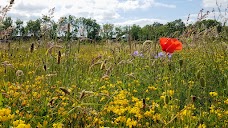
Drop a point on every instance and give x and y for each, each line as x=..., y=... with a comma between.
x=149, y=113
x=202, y=126
x=23, y=126
x=5, y=114
x=120, y=119
x=226, y=101
x=152, y=88
x=131, y=123
x=157, y=117
x=20, y=124
x=162, y=97
x=213, y=94
x=170, y=92
x=57, y=125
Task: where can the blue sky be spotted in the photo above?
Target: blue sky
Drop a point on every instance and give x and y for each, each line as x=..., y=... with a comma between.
x=118, y=12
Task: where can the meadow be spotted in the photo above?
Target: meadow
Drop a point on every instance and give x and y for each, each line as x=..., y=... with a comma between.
x=110, y=85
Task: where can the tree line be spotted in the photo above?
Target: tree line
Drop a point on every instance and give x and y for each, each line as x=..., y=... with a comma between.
x=71, y=27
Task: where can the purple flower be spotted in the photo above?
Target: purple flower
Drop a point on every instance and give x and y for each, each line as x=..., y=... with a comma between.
x=160, y=55
x=136, y=53
x=163, y=55
x=169, y=55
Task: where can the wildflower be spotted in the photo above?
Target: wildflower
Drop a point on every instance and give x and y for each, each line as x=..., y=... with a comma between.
x=169, y=45
x=163, y=55
x=213, y=94
x=57, y=125
x=202, y=126
x=136, y=53
x=226, y=101
x=160, y=55
x=20, y=124
x=149, y=113
x=5, y=115
x=120, y=119
x=152, y=88
x=130, y=123
x=169, y=55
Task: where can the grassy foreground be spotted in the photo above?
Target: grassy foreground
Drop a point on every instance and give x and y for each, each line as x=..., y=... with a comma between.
x=58, y=85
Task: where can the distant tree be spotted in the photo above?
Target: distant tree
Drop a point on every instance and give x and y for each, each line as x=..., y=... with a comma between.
x=7, y=27
x=157, y=24
x=70, y=23
x=18, y=28
x=209, y=23
x=92, y=28
x=33, y=27
x=7, y=22
x=148, y=32
x=119, y=32
x=135, y=32
x=53, y=31
x=159, y=30
x=108, y=31
x=176, y=28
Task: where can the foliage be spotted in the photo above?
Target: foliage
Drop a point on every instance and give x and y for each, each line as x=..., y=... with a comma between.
x=33, y=27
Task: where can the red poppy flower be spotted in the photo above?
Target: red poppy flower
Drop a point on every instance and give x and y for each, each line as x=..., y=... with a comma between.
x=169, y=45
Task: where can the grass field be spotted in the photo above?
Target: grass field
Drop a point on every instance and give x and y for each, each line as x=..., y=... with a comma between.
x=106, y=85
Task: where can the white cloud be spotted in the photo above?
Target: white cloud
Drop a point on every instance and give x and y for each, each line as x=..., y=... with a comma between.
x=141, y=22
x=212, y=3
x=101, y=10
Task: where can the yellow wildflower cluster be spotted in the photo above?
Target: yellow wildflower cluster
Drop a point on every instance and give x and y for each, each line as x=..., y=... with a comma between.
x=187, y=112
x=226, y=101
x=131, y=123
x=213, y=94
x=57, y=125
x=20, y=124
x=5, y=115
x=202, y=126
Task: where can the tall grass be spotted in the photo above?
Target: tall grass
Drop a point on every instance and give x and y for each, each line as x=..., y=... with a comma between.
x=107, y=85
x=104, y=86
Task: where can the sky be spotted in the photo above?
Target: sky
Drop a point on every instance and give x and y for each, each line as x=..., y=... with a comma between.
x=117, y=12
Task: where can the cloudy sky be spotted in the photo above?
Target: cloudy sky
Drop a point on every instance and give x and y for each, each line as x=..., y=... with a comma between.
x=118, y=12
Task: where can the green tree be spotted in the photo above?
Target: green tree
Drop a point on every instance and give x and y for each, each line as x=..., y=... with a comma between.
x=108, y=31
x=119, y=32
x=7, y=22
x=33, y=27
x=175, y=28
x=147, y=32
x=209, y=23
x=135, y=32
x=18, y=28
x=92, y=28
x=70, y=23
